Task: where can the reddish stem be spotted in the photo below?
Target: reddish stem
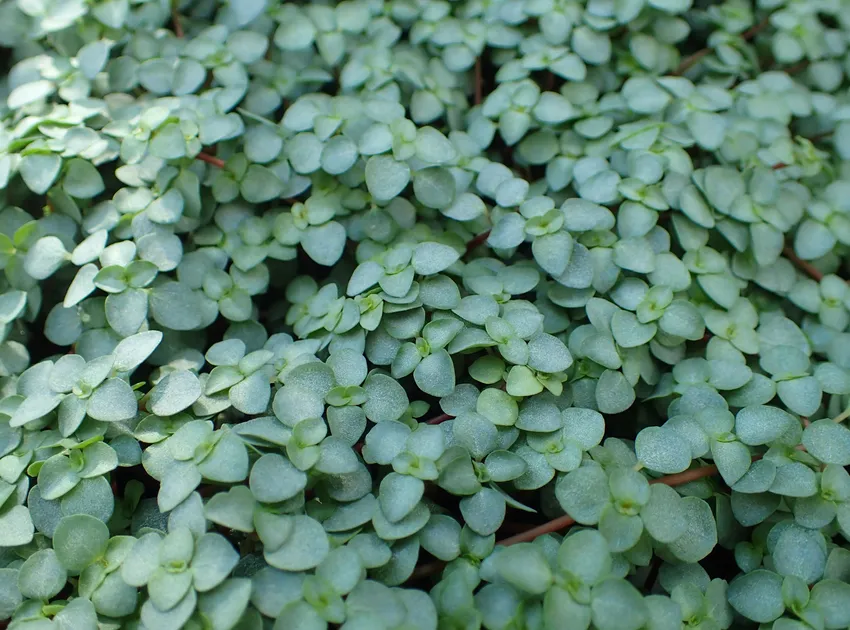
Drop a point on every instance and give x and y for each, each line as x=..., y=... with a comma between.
x=802, y=265
x=755, y=30
x=210, y=159
x=798, y=67
x=175, y=20
x=562, y=522
x=426, y=570
x=478, y=240
x=439, y=419
x=479, y=88
x=688, y=62
x=819, y=136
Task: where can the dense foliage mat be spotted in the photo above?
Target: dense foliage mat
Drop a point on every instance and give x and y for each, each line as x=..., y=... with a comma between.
x=416, y=314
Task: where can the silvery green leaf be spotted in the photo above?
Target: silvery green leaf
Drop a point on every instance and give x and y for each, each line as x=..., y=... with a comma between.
x=617, y=605
x=628, y=332
x=304, y=549
x=274, y=479
x=477, y=434
x=761, y=424
x=399, y=495
x=758, y=478
x=829, y=596
x=583, y=494
x=664, y=514
x=81, y=286
x=552, y=252
x=339, y=155
x=39, y=170
x=433, y=147
x=757, y=595
x=505, y=466
x=441, y=537
x=251, y=396
x=228, y=460
x=45, y=257
x=800, y=552
x=260, y=184
x=174, y=618
x=435, y=374
x=179, y=481
x=484, y=511
x=225, y=604
x=813, y=240
x=79, y=541
x=78, y=613
x=700, y=535
x=614, y=394
x=434, y=187
x=113, y=401
x=42, y=575
x=386, y=178
x=508, y=232
x=213, y=559
x=828, y=441
x=552, y=108
x=794, y=479
x=29, y=93
x=90, y=248
x=233, y=509
x=16, y=527
x=134, y=350
x=732, y=459
x=663, y=450
x=386, y=399
x=525, y=567
x=174, y=393
x=174, y=305
x=82, y=180
x=431, y=258
x=34, y=407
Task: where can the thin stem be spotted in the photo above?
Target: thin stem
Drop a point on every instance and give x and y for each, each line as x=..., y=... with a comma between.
x=439, y=419
x=175, y=19
x=565, y=521
x=755, y=30
x=652, y=576
x=562, y=522
x=842, y=416
x=798, y=67
x=479, y=88
x=478, y=240
x=210, y=159
x=260, y=119
x=426, y=570
x=819, y=136
x=690, y=61
x=687, y=476
x=802, y=265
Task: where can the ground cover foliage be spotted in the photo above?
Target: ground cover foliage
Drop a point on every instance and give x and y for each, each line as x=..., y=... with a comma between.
x=415, y=314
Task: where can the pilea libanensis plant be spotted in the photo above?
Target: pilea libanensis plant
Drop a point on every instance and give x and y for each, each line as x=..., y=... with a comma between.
x=416, y=314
